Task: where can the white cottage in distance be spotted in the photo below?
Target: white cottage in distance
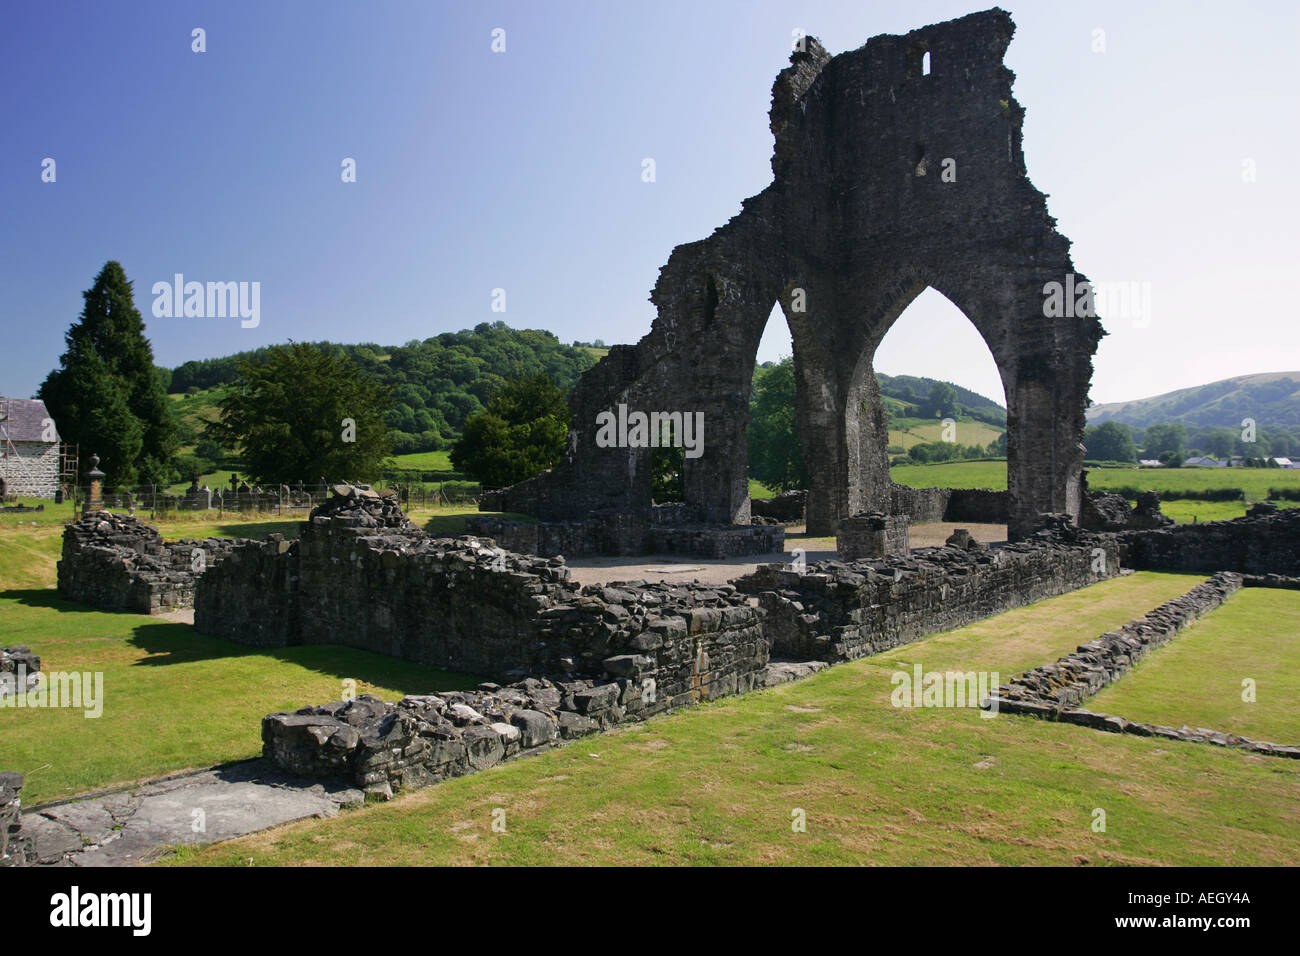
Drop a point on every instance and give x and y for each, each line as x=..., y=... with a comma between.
x=29, y=449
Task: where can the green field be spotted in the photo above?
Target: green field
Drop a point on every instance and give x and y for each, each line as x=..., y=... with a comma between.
x=174, y=699
x=720, y=783
x=953, y=474
x=909, y=432
x=1197, y=679
x=993, y=474
x=714, y=784
x=425, y=461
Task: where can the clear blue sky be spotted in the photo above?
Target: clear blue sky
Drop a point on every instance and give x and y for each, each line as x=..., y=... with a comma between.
x=522, y=170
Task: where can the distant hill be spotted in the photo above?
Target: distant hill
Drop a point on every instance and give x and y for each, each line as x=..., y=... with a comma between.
x=913, y=390
x=1270, y=398
x=438, y=382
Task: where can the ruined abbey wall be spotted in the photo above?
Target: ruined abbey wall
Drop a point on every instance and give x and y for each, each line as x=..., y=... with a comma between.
x=840, y=611
x=887, y=179
x=119, y=563
x=1267, y=542
x=467, y=606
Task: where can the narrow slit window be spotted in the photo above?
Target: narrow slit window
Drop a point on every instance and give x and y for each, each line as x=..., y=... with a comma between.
x=925, y=63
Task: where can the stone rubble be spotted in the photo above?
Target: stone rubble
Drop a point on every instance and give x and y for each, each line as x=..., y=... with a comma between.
x=15, y=846
x=118, y=563
x=11, y=660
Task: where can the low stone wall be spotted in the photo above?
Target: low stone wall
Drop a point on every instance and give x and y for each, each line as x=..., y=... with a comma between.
x=787, y=507
x=1100, y=662
x=717, y=541
x=1054, y=691
x=15, y=849
x=1103, y=511
x=1267, y=542
x=119, y=563
x=837, y=611
x=872, y=536
x=19, y=670
x=927, y=505
x=465, y=605
x=625, y=533
x=420, y=741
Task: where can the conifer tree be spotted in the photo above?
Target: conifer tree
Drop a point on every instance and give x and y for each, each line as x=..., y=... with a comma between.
x=106, y=394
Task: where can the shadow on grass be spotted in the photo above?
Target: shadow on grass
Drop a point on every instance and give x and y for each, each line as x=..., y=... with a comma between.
x=46, y=598
x=450, y=525
x=175, y=643
x=256, y=529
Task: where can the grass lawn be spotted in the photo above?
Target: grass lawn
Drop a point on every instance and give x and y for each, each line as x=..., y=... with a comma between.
x=174, y=699
x=953, y=474
x=1255, y=481
x=759, y=490
x=425, y=460
x=1189, y=511
x=718, y=784
x=993, y=474
x=915, y=432
x=1197, y=679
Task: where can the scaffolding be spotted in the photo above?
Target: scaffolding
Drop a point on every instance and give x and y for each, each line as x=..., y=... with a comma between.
x=69, y=468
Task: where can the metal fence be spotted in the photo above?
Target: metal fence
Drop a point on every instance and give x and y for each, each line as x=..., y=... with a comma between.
x=288, y=501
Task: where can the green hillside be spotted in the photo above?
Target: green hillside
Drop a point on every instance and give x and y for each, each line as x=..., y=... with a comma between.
x=438, y=382
x=1269, y=398
x=912, y=390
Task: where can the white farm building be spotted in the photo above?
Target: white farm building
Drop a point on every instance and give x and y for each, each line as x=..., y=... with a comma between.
x=29, y=449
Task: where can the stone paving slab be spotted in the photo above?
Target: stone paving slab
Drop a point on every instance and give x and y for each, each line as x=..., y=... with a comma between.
x=221, y=803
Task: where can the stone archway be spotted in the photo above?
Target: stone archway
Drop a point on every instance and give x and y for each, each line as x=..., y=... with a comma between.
x=887, y=179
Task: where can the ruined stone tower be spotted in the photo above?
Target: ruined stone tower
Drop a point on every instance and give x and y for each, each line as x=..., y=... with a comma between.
x=860, y=218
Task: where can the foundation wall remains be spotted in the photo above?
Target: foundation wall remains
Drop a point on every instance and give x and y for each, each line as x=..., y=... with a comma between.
x=419, y=741
x=872, y=536
x=464, y=605
x=659, y=530
x=1055, y=691
x=19, y=670
x=925, y=505
x=839, y=611
x=1268, y=541
x=119, y=563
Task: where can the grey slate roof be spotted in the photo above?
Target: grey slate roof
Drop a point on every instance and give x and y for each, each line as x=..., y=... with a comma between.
x=26, y=419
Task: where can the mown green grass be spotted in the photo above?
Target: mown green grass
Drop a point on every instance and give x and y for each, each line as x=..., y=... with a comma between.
x=1197, y=679
x=993, y=474
x=173, y=699
x=425, y=460
x=909, y=432
x=955, y=474
x=759, y=490
x=1190, y=511
x=718, y=784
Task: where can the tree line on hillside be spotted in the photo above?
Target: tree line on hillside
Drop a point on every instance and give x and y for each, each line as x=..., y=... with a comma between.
x=776, y=456
x=1172, y=443
x=436, y=384
x=322, y=410
x=302, y=410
